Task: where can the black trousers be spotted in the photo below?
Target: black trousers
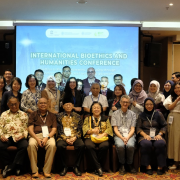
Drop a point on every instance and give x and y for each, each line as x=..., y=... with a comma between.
x=99, y=157
x=20, y=155
x=61, y=150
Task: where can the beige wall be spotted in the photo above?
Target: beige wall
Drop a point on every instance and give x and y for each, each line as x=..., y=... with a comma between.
x=176, y=57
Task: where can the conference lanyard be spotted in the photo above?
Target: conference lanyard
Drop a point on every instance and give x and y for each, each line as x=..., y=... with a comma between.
x=93, y=100
x=35, y=98
x=53, y=94
x=151, y=119
x=115, y=102
x=44, y=121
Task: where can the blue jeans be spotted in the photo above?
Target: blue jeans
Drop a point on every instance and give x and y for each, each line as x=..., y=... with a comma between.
x=121, y=148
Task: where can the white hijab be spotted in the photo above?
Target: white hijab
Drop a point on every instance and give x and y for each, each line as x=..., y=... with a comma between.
x=157, y=96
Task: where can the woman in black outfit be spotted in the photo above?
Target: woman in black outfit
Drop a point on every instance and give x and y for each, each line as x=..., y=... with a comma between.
x=15, y=91
x=71, y=91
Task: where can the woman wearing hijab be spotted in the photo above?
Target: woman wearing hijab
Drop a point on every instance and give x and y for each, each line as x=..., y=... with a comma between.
x=172, y=103
x=137, y=95
x=52, y=94
x=151, y=126
x=166, y=92
x=154, y=93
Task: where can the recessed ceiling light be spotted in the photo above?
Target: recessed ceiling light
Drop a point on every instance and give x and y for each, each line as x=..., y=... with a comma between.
x=81, y=2
x=171, y=4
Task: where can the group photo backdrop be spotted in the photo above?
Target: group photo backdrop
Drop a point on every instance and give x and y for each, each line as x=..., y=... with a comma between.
x=109, y=50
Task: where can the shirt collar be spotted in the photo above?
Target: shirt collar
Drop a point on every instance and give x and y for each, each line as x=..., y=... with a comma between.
x=65, y=114
x=122, y=113
x=9, y=112
x=39, y=113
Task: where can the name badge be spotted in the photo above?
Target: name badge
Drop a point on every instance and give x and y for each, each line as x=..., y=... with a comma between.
x=67, y=131
x=171, y=119
x=45, y=131
x=125, y=132
x=152, y=132
x=56, y=108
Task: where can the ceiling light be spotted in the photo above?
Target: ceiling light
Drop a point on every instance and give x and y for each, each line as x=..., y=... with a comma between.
x=171, y=4
x=81, y=2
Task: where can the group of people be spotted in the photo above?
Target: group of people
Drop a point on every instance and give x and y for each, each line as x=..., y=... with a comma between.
x=54, y=117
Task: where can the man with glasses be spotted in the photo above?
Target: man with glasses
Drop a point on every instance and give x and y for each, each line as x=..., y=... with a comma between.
x=124, y=122
x=8, y=77
x=13, y=132
x=89, y=81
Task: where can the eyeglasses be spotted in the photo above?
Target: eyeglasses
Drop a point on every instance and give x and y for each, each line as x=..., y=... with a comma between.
x=167, y=85
x=15, y=104
x=149, y=104
x=138, y=86
x=125, y=102
x=90, y=72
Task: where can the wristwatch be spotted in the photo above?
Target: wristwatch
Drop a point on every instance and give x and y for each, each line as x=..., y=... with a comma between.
x=49, y=137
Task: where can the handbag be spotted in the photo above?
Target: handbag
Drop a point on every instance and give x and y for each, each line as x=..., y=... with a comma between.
x=94, y=139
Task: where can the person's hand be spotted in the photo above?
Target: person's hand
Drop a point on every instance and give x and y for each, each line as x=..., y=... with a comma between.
x=177, y=99
x=3, y=139
x=134, y=103
x=147, y=137
x=73, y=139
x=39, y=141
x=95, y=130
x=114, y=108
x=158, y=137
x=44, y=141
x=100, y=136
x=77, y=109
x=19, y=138
x=124, y=140
x=69, y=141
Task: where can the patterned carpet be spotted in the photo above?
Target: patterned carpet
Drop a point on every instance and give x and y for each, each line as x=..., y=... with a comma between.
x=173, y=174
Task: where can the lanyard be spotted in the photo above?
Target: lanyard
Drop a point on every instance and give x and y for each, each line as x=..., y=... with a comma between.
x=53, y=94
x=39, y=87
x=35, y=98
x=93, y=100
x=44, y=121
x=115, y=102
x=74, y=99
x=151, y=119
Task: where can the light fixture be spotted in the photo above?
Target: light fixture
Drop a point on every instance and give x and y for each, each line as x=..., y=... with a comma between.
x=81, y=2
x=171, y=4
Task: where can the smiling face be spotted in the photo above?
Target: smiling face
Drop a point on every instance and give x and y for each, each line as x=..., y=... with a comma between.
x=177, y=89
x=104, y=82
x=72, y=83
x=39, y=75
x=117, y=91
x=153, y=88
x=117, y=80
x=138, y=87
x=16, y=86
x=95, y=89
x=8, y=76
x=124, y=103
x=51, y=84
x=68, y=107
x=149, y=105
x=91, y=73
x=96, y=109
x=58, y=78
x=32, y=82
x=167, y=87
x=42, y=104
x=13, y=105
x=79, y=88
x=66, y=72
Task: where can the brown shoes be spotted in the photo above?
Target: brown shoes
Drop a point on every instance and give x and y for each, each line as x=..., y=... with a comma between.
x=35, y=175
x=47, y=175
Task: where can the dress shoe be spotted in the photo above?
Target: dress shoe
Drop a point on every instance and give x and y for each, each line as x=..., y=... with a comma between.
x=35, y=175
x=160, y=172
x=6, y=172
x=63, y=172
x=122, y=170
x=100, y=172
x=76, y=171
x=18, y=172
x=132, y=169
x=47, y=175
x=149, y=171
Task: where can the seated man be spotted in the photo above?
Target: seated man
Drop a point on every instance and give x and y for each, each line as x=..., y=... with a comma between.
x=42, y=127
x=96, y=96
x=69, y=134
x=13, y=132
x=124, y=123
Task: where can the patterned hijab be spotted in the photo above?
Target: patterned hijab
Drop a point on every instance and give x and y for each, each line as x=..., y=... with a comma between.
x=157, y=96
x=139, y=97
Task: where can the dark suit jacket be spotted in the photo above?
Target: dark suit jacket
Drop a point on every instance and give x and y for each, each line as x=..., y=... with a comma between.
x=87, y=86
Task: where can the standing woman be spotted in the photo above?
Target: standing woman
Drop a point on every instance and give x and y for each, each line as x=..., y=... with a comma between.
x=52, y=94
x=137, y=95
x=71, y=91
x=172, y=103
x=31, y=96
x=2, y=89
x=114, y=102
x=167, y=91
x=154, y=93
x=15, y=92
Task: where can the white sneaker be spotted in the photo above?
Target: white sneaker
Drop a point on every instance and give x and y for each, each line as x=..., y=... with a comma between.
x=173, y=167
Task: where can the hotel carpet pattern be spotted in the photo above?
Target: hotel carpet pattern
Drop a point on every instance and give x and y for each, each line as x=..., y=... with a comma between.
x=171, y=174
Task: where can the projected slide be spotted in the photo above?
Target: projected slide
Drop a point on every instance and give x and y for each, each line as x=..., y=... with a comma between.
x=109, y=50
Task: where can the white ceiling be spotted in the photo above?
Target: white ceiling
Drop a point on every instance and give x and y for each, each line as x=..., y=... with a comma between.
x=99, y=10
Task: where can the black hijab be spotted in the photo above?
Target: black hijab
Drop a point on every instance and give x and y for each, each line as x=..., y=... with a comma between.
x=147, y=113
x=166, y=94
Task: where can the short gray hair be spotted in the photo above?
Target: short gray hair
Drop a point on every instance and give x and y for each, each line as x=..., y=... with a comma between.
x=95, y=83
x=125, y=96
